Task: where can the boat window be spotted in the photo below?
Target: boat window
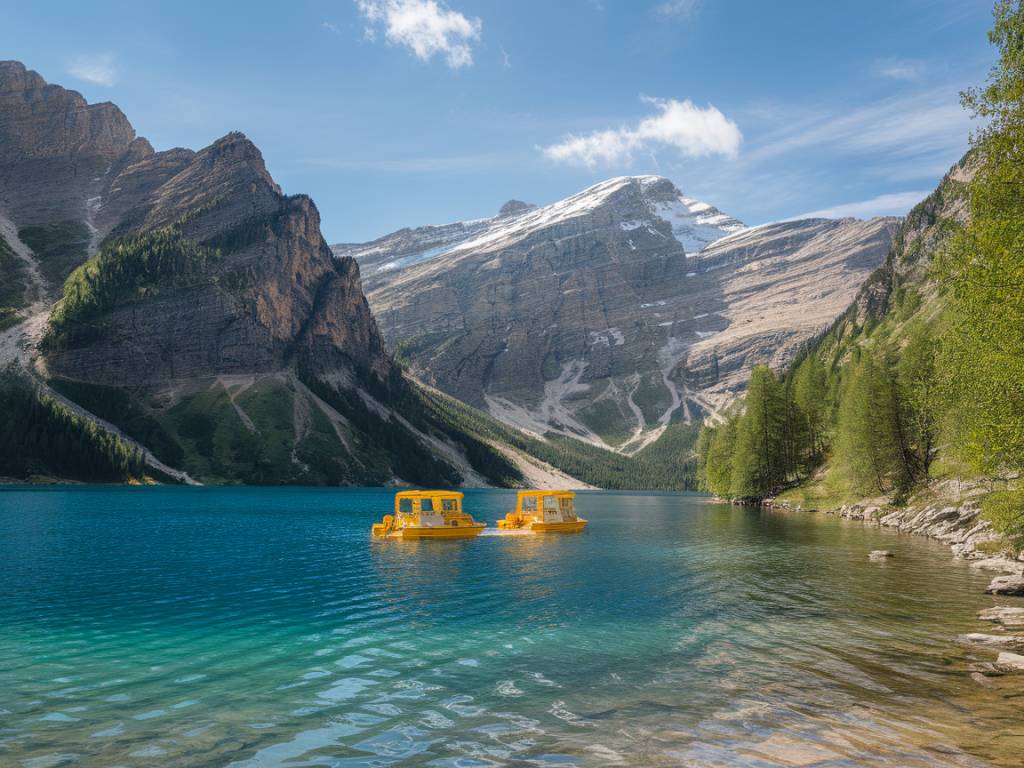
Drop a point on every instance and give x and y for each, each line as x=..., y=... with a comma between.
x=405, y=506
x=565, y=503
x=449, y=505
x=426, y=505
x=455, y=522
x=529, y=504
x=550, y=504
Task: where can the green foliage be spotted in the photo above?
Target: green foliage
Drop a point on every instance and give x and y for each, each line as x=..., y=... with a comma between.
x=390, y=447
x=125, y=270
x=59, y=247
x=905, y=371
x=8, y=318
x=39, y=436
x=869, y=447
x=719, y=444
x=606, y=419
x=919, y=396
x=652, y=397
x=122, y=410
x=759, y=462
x=1005, y=510
x=982, y=272
x=811, y=398
x=667, y=464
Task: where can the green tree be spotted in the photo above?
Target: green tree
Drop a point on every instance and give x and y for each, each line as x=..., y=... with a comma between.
x=811, y=395
x=718, y=465
x=759, y=463
x=869, y=450
x=983, y=270
x=919, y=400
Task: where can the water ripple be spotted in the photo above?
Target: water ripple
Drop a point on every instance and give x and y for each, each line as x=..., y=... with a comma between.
x=262, y=627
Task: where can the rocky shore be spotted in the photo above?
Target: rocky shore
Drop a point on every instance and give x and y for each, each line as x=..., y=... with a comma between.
x=950, y=512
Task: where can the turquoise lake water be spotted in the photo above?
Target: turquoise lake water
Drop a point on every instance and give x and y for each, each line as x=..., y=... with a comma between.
x=263, y=627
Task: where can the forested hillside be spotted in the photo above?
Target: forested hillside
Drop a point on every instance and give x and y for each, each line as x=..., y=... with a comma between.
x=41, y=437
x=924, y=375
x=666, y=465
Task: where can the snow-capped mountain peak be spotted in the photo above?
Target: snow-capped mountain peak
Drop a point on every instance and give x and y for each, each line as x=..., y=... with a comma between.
x=623, y=203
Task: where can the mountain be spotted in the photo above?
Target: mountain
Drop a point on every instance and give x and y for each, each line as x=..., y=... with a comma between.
x=611, y=314
x=178, y=304
x=865, y=411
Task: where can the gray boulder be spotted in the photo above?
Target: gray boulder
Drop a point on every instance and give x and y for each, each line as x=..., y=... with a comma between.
x=1006, y=585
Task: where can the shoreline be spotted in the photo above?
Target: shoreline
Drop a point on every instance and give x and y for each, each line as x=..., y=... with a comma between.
x=955, y=519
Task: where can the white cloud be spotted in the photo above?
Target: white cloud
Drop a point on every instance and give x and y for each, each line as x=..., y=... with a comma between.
x=506, y=60
x=895, y=204
x=330, y=27
x=680, y=125
x=426, y=27
x=900, y=69
x=678, y=9
x=923, y=123
x=95, y=68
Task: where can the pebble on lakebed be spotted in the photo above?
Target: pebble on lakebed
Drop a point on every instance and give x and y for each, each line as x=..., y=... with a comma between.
x=880, y=554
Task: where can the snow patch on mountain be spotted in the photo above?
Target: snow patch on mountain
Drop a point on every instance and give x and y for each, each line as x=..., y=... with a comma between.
x=635, y=204
x=695, y=224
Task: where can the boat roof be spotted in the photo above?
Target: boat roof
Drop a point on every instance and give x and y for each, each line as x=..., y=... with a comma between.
x=547, y=493
x=425, y=494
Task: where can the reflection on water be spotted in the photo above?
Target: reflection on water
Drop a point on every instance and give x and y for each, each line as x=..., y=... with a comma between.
x=251, y=627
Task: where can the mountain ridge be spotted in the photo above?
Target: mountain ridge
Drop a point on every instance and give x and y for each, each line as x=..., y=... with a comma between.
x=604, y=316
x=203, y=321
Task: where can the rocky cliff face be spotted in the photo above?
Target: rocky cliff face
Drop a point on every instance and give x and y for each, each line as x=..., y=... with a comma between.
x=55, y=149
x=205, y=317
x=917, y=242
x=615, y=312
x=273, y=295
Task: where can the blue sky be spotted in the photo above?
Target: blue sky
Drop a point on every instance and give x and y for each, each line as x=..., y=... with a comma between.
x=394, y=113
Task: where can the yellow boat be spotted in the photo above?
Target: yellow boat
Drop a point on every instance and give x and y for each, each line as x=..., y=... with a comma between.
x=428, y=515
x=544, y=512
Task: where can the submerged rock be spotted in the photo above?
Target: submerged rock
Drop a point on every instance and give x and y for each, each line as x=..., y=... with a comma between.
x=1013, y=642
x=1010, y=662
x=1006, y=585
x=1003, y=614
x=1000, y=564
x=880, y=554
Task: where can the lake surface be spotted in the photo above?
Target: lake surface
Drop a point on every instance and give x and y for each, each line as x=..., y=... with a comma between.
x=263, y=627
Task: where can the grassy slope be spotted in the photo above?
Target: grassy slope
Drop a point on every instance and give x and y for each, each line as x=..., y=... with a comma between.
x=665, y=465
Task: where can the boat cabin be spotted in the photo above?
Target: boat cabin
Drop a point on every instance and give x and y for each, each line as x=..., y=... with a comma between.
x=547, y=506
x=544, y=511
x=428, y=507
x=428, y=515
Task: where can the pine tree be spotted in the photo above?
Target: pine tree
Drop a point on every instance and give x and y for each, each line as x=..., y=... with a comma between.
x=869, y=449
x=759, y=461
x=810, y=392
x=919, y=398
x=718, y=471
x=983, y=270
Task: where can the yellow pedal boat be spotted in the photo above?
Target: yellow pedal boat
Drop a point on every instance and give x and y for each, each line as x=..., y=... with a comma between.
x=544, y=512
x=428, y=515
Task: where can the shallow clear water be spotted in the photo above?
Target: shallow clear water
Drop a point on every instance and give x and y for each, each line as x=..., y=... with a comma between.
x=263, y=627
